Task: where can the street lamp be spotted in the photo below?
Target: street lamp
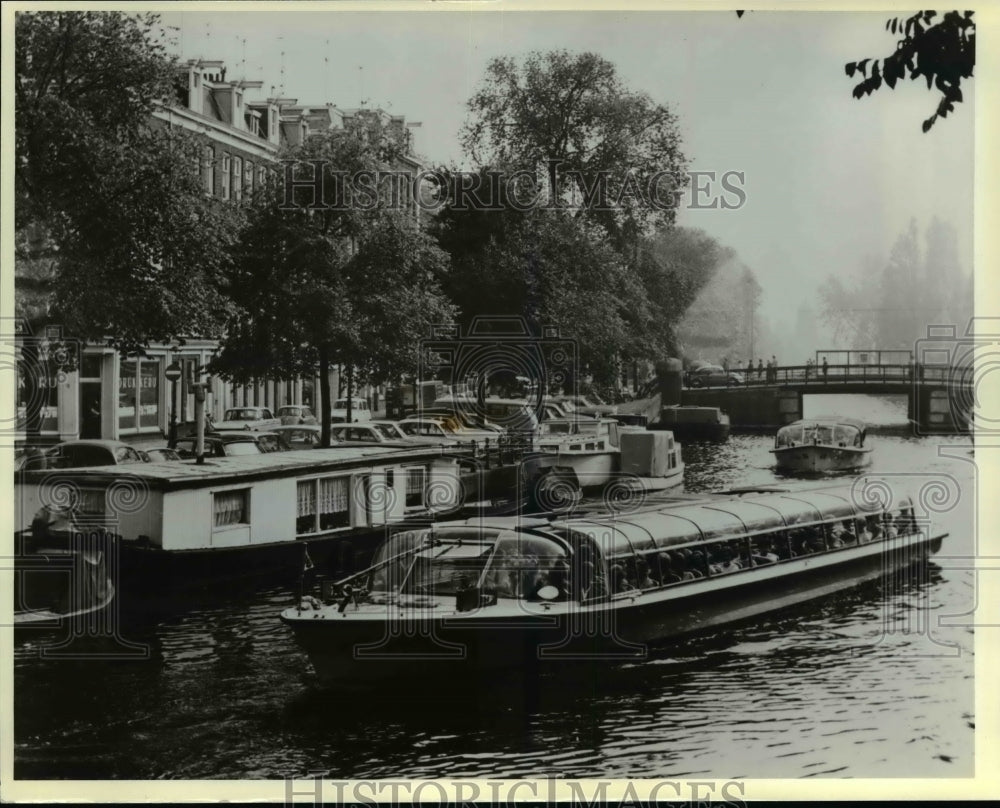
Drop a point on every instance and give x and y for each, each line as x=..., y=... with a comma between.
x=172, y=374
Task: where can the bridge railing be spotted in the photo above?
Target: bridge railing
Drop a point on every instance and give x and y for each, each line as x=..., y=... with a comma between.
x=833, y=374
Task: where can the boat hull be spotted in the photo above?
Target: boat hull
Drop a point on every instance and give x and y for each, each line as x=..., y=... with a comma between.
x=405, y=642
x=819, y=459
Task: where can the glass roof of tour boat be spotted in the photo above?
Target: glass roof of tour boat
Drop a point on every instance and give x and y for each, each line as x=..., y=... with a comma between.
x=719, y=516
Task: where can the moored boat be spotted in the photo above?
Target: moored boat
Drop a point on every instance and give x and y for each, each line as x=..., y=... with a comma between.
x=183, y=523
x=490, y=593
x=816, y=445
x=691, y=423
x=61, y=574
x=596, y=452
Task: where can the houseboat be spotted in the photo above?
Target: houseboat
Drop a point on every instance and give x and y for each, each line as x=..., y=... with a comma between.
x=473, y=596
x=60, y=575
x=691, y=423
x=599, y=451
x=181, y=523
x=824, y=444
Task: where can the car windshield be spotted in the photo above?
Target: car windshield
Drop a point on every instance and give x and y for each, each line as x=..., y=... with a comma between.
x=241, y=415
x=289, y=411
x=241, y=448
x=386, y=431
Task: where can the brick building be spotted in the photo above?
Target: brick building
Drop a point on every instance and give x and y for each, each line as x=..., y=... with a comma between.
x=109, y=396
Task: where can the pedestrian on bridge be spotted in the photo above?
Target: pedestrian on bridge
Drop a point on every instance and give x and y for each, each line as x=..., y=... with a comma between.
x=824, y=368
x=760, y=369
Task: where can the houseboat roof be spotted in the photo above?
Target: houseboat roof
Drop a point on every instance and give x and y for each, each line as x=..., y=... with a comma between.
x=168, y=475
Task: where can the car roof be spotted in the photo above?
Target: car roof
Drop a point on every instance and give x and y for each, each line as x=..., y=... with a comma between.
x=104, y=444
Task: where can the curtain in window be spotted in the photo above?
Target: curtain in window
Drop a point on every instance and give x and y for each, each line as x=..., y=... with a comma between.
x=230, y=508
x=333, y=495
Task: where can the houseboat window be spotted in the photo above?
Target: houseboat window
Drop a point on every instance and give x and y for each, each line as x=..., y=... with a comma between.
x=231, y=507
x=416, y=481
x=91, y=504
x=322, y=505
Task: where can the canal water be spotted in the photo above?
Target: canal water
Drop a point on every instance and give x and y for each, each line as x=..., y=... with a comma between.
x=876, y=682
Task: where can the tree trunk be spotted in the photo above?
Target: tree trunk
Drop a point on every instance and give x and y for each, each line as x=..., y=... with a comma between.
x=324, y=398
x=350, y=393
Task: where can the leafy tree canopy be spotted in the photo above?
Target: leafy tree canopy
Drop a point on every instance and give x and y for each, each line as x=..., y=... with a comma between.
x=599, y=144
x=942, y=52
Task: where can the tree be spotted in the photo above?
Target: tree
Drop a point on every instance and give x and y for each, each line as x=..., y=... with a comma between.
x=596, y=142
x=326, y=282
x=942, y=52
x=116, y=239
x=675, y=265
x=548, y=268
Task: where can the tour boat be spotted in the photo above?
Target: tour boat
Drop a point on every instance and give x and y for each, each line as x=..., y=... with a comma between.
x=476, y=595
x=61, y=575
x=599, y=451
x=182, y=522
x=821, y=445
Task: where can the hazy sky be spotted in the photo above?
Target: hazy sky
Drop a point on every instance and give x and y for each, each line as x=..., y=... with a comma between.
x=829, y=179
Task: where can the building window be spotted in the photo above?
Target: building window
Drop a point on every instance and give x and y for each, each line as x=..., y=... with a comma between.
x=248, y=178
x=261, y=176
x=208, y=173
x=225, y=176
x=237, y=178
x=44, y=391
x=139, y=395
x=323, y=504
x=231, y=508
x=416, y=482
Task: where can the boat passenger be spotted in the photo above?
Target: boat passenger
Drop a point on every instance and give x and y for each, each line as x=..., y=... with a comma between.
x=645, y=581
x=864, y=534
x=698, y=563
x=764, y=553
x=729, y=562
x=686, y=565
x=875, y=529
x=669, y=573
x=619, y=580
x=849, y=537
x=890, y=528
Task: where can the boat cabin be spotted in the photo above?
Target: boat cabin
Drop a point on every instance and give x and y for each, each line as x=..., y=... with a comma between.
x=251, y=500
x=575, y=434
x=839, y=432
x=602, y=556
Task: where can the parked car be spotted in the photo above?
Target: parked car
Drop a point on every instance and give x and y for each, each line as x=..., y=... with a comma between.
x=251, y=418
x=586, y=406
x=393, y=431
x=161, y=454
x=366, y=433
x=711, y=376
x=271, y=442
x=296, y=414
x=429, y=428
x=221, y=444
x=299, y=436
x=360, y=411
x=73, y=454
